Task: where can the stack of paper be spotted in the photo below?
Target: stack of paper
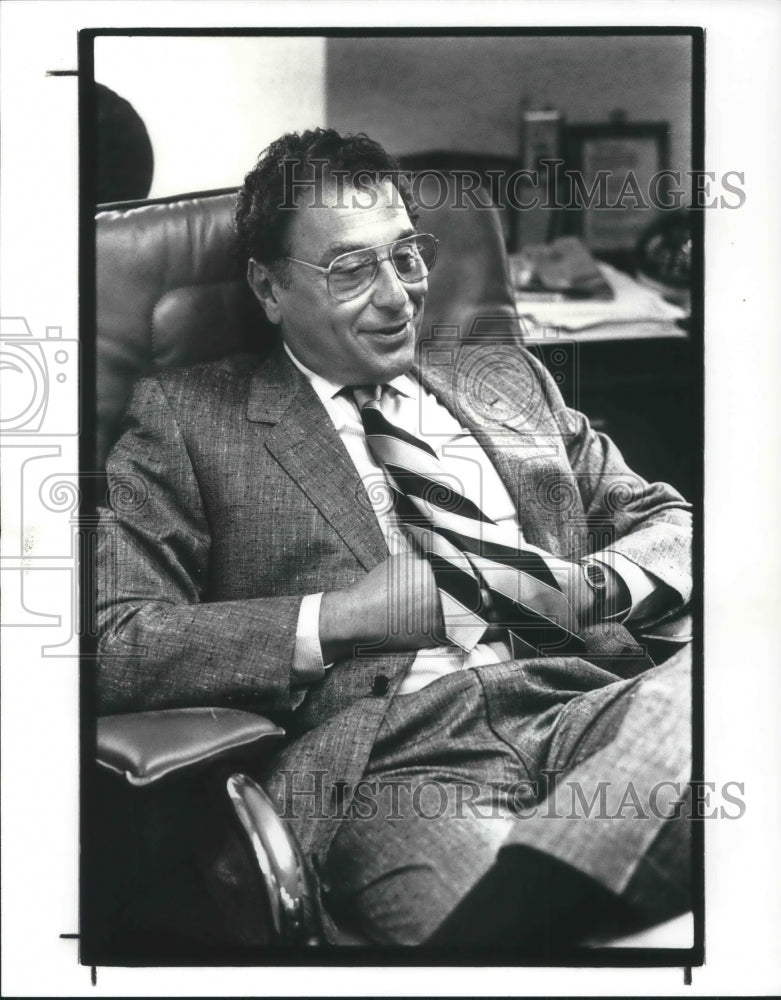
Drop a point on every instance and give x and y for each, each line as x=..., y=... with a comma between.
x=633, y=311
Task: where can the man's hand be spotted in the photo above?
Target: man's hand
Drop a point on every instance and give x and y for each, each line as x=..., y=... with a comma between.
x=394, y=607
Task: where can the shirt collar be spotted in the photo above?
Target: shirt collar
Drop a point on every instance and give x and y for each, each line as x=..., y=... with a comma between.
x=326, y=389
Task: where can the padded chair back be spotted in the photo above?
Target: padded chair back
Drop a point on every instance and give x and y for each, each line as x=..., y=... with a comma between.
x=170, y=292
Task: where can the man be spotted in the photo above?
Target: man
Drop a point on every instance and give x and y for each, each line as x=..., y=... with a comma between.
x=344, y=535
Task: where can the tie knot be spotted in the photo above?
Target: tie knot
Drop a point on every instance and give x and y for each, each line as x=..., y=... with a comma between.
x=364, y=394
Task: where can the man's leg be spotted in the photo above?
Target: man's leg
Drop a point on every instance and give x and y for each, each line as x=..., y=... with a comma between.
x=625, y=758
x=611, y=841
x=424, y=826
x=559, y=869
x=393, y=881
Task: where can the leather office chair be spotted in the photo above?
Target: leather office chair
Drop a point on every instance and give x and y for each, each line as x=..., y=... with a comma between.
x=170, y=293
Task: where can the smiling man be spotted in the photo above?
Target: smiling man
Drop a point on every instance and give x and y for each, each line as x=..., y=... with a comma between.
x=347, y=316
x=333, y=535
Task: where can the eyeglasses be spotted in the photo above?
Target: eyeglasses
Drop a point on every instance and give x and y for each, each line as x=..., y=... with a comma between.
x=351, y=273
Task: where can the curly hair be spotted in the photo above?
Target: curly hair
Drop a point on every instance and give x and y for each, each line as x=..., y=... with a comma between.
x=265, y=200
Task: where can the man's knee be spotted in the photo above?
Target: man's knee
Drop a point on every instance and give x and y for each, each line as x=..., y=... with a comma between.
x=395, y=880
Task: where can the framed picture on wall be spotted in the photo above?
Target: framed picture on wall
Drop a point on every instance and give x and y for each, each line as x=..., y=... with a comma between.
x=613, y=181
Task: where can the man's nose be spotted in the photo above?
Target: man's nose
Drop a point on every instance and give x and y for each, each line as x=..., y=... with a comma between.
x=389, y=290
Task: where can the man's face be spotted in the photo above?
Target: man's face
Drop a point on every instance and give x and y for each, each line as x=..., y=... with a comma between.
x=369, y=339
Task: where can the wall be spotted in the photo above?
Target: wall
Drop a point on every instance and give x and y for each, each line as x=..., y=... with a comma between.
x=211, y=104
x=460, y=93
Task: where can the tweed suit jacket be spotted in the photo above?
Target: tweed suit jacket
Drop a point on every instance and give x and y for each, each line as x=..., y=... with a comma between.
x=233, y=497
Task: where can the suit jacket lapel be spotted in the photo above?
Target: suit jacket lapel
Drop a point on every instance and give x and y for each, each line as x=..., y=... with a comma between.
x=502, y=410
x=304, y=442
x=503, y=415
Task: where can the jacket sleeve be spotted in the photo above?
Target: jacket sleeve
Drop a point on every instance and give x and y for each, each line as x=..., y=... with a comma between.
x=648, y=523
x=161, y=643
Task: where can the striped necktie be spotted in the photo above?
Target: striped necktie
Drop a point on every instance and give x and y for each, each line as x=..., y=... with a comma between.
x=476, y=563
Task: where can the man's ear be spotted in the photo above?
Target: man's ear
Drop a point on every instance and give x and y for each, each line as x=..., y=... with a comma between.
x=264, y=287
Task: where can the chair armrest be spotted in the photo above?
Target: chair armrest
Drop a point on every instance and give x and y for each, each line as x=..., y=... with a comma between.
x=146, y=746
x=290, y=886
x=677, y=628
x=667, y=636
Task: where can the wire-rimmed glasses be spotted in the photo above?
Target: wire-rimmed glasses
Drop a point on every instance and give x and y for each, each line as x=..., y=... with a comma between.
x=349, y=274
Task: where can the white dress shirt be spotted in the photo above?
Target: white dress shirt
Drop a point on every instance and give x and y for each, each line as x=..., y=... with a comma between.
x=409, y=405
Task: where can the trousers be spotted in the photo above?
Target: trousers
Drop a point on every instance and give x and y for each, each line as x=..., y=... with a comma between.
x=509, y=754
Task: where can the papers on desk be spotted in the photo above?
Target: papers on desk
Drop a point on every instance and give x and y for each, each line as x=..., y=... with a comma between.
x=633, y=312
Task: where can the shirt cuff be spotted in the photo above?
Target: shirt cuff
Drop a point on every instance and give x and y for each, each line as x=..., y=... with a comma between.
x=642, y=587
x=308, y=663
